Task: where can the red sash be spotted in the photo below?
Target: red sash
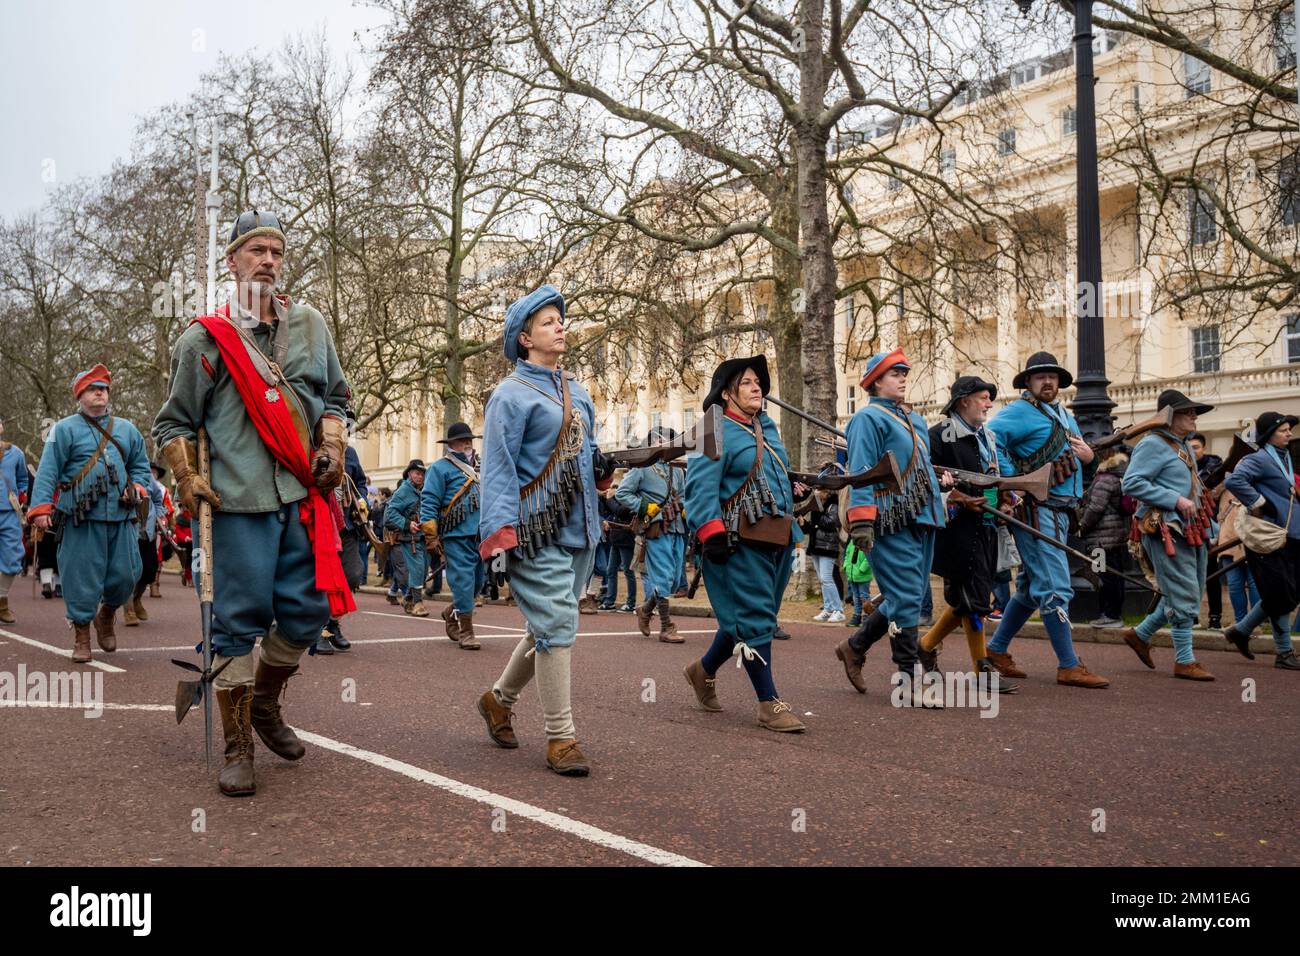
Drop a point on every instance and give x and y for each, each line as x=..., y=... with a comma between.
x=274, y=423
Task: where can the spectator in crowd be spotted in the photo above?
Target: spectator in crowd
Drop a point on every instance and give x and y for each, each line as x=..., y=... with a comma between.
x=1105, y=525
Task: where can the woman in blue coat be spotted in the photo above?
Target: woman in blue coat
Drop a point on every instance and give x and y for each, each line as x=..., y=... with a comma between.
x=1265, y=484
x=728, y=501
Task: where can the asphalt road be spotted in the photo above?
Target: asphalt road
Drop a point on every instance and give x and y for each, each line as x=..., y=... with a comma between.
x=400, y=771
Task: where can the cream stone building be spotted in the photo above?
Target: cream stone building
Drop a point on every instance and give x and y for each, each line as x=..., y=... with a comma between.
x=1014, y=137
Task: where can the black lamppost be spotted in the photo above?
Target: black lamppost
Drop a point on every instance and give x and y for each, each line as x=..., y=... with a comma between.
x=1092, y=405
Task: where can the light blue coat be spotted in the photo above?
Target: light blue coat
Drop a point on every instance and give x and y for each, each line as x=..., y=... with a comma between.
x=520, y=428
x=441, y=483
x=651, y=484
x=1022, y=430
x=1157, y=477
x=13, y=466
x=711, y=483
x=70, y=444
x=875, y=429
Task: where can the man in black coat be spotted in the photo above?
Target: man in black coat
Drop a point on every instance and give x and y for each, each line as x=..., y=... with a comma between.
x=965, y=553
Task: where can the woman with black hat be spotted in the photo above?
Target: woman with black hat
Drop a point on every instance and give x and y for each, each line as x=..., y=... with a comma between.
x=402, y=525
x=1265, y=484
x=1173, y=515
x=740, y=507
x=966, y=548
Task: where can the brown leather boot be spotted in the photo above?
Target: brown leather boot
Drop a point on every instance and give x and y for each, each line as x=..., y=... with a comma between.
x=1080, y=676
x=779, y=716
x=449, y=619
x=154, y=590
x=668, y=634
x=852, y=662
x=104, y=632
x=268, y=685
x=587, y=605
x=704, y=686
x=417, y=609
x=236, y=777
x=1192, y=671
x=498, y=719
x=1005, y=665
x=138, y=605
x=467, y=641
x=6, y=617
x=128, y=615
x=643, y=614
x=1140, y=647
x=564, y=757
x=81, y=643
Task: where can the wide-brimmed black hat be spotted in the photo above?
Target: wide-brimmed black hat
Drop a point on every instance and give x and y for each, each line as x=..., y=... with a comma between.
x=415, y=464
x=456, y=431
x=728, y=370
x=967, y=385
x=1270, y=422
x=158, y=468
x=1172, y=398
x=1043, y=362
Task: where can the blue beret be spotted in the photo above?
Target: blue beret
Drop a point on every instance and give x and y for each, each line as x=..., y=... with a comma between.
x=519, y=312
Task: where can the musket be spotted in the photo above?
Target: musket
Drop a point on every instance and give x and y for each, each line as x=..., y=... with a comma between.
x=884, y=473
x=1161, y=419
x=811, y=419
x=1036, y=483
x=190, y=692
x=1087, y=571
x=1224, y=546
x=705, y=437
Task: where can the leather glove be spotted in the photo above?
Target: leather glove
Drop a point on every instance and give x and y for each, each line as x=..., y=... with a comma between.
x=602, y=466
x=183, y=459
x=863, y=534
x=716, y=549
x=431, y=542
x=327, y=462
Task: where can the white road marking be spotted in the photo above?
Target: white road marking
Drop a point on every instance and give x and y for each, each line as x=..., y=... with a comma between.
x=64, y=652
x=556, y=821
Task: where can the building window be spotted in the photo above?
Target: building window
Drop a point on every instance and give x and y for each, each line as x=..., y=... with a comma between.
x=1069, y=121
x=1201, y=225
x=893, y=183
x=1284, y=38
x=1205, y=349
x=1026, y=73
x=947, y=160
x=625, y=423
x=848, y=314
x=853, y=399
x=1006, y=142
x=1196, y=76
x=627, y=356
x=688, y=419
x=656, y=420
x=1292, y=337
x=1288, y=188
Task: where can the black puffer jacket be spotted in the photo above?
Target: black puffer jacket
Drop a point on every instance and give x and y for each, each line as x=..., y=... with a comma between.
x=1104, y=523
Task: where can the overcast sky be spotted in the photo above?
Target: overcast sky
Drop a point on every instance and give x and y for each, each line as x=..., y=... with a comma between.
x=76, y=75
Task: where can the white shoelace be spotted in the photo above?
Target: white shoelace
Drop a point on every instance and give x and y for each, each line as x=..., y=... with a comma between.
x=743, y=652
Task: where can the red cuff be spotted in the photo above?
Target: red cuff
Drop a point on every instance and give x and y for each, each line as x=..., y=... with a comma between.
x=862, y=513
x=144, y=492
x=502, y=540
x=603, y=484
x=39, y=510
x=709, y=529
